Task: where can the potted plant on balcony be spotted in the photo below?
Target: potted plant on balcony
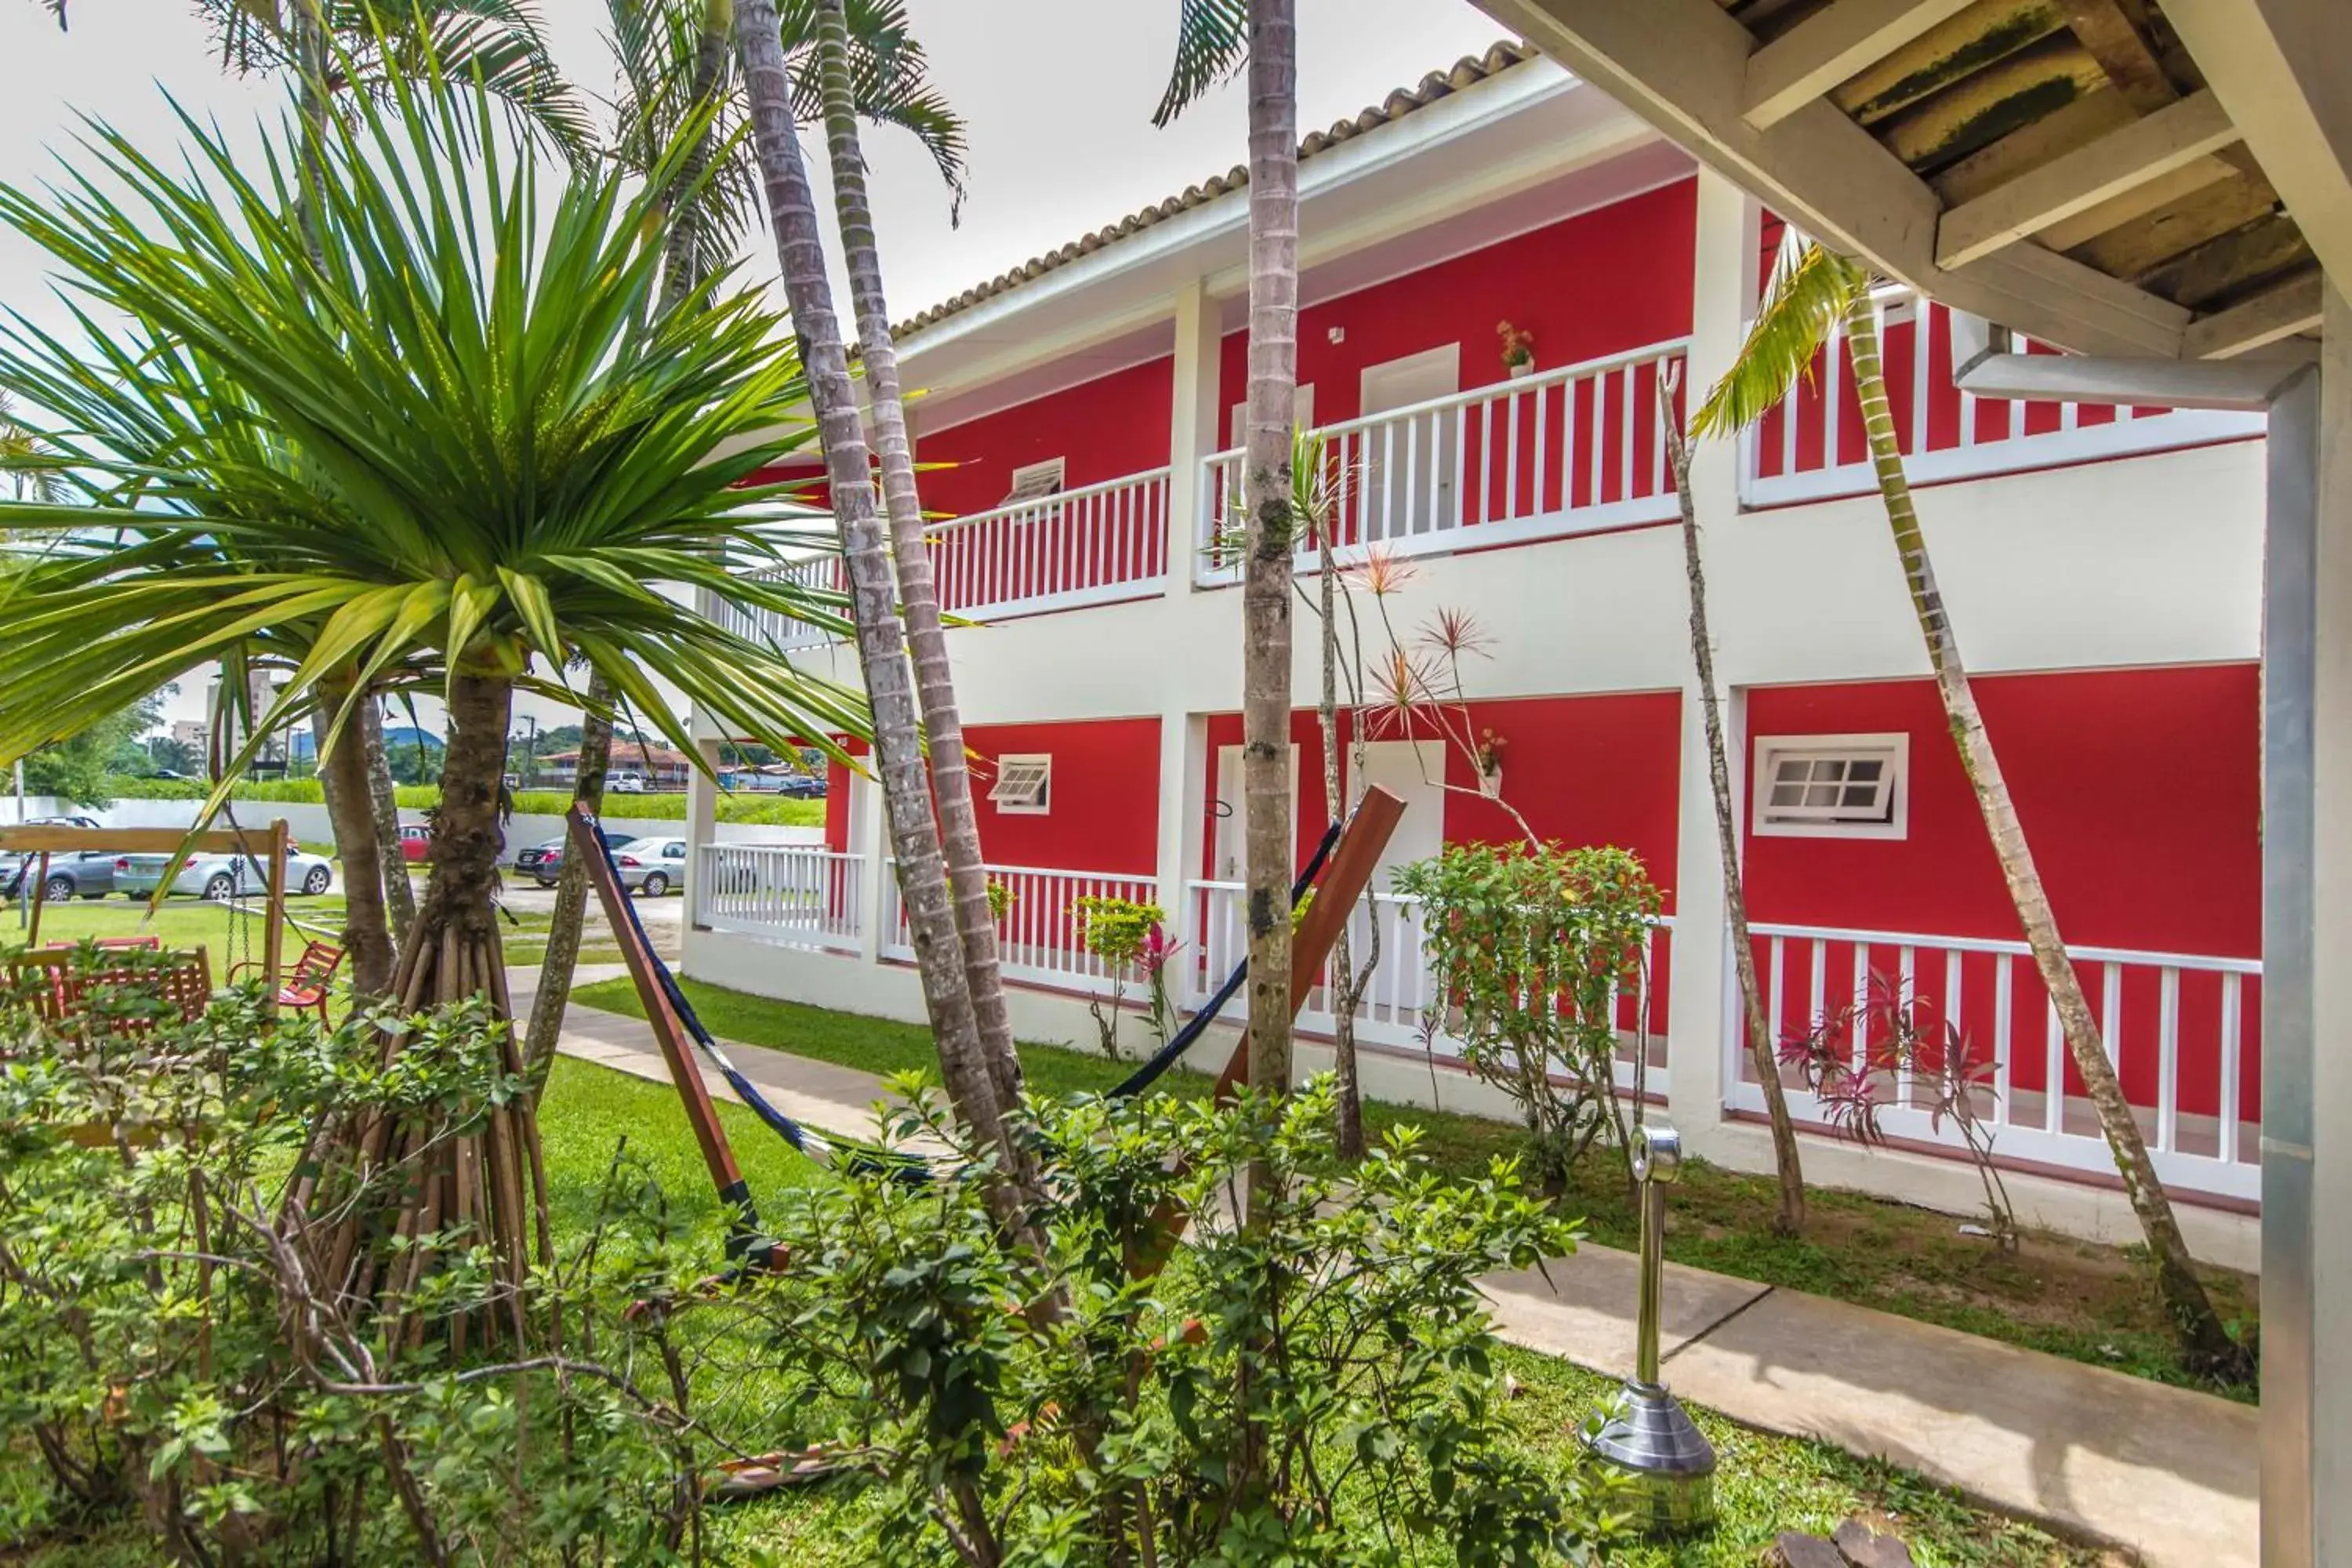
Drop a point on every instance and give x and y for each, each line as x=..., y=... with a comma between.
x=1518, y=350
x=1490, y=761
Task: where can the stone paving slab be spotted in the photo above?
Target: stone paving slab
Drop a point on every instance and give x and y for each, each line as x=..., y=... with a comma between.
x=2093, y=1453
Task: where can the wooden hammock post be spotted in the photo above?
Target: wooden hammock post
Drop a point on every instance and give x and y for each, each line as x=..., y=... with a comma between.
x=1354, y=860
x=40, y=895
x=670, y=1031
x=273, y=941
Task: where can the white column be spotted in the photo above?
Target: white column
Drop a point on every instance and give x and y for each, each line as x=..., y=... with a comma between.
x=1184, y=806
x=1193, y=430
x=701, y=825
x=2306, y=989
x=869, y=838
x=1698, y=1034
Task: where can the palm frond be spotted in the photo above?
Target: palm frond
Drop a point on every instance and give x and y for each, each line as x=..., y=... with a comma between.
x=1212, y=43
x=889, y=78
x=1812, y=288
x=453, y=429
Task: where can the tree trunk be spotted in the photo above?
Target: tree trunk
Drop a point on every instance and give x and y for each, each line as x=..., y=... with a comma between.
x=918, y=588
x=1348, y=1110
x=1268, y=834
x=2206, y=1345
x=881, y=643
x=1790, y=1219
x=399, y=900
x=563, y=929
x=342, y=779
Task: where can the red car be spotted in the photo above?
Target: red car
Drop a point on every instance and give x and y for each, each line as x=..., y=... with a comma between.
x=416, y=841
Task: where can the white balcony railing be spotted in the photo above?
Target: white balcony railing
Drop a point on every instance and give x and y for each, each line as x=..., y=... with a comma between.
x=1572, y=450
x=1087, y=546
x=798, y=895
x=2182, y=1030
x=1040, y=936
x=1811, y=447
x=824, y=572
x=1400, y=994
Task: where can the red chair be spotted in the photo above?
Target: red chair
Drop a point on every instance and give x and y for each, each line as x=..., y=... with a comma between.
x=314, y=975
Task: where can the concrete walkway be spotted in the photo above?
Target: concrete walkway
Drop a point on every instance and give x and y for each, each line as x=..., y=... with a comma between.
x=2094, y=1454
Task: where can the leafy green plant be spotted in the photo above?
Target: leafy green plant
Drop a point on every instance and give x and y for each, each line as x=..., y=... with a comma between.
x=1119, y=1427
x=1533, y=950
x=1132, y=940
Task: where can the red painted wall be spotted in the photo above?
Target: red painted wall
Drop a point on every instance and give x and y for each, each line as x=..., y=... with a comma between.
x=2140, y=793
x=1106, y=797
x=1581, y=770
x=1588, y=286
x=1105, y=428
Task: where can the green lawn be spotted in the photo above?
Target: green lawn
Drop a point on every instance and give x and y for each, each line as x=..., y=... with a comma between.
x=2057, y=1295
x=230, y=935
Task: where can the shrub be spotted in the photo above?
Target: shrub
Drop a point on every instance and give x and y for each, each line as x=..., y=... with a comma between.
x=1535, y=952
x=1309, y=1393
x=152, y=1257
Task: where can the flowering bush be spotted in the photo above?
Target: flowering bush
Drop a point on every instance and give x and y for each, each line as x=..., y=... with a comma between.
x=1132, y=940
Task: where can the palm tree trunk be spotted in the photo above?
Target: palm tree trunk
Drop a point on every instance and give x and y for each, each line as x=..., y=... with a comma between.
x=881, y=641
x=342, y=779
x=1268, y=835
x=1790, y=1219
x=399, y=901
x=2206, y=1345
x=563, y=929
x=918, y=588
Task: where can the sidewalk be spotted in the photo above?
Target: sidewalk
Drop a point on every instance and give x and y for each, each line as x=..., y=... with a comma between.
x=2092, y=1453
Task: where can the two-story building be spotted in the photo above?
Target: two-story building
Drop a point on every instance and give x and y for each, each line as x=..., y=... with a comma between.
x=2103, y=569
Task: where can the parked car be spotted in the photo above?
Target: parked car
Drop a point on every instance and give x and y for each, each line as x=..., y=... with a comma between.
x=802, y=786
x=217, y=877
x=545, y=861
x=625, y=783
x=77, y=874
x=416, y=841
x=652, y=866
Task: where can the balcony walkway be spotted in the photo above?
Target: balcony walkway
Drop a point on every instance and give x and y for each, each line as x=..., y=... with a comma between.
x=2171, y=1473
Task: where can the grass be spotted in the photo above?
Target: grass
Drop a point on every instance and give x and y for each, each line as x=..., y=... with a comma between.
x=2066, y=1297
x=230, y=935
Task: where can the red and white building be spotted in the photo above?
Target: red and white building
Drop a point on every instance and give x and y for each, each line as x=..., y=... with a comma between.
x=2102, y=570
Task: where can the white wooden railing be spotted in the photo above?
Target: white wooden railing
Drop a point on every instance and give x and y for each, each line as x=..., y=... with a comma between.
x=1564, y=451
x=822, y=573
x=2181, y=1029
x=800, y=895
x=1087, y=546
x=1399, y=996
x=1811, y=447
x=1040, y=937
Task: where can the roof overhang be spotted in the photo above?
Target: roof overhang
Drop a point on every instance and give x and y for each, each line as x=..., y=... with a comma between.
x=2104, y=123
x=1517, y=132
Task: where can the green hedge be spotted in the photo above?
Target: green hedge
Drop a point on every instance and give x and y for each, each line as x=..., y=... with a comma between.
x=761, y=810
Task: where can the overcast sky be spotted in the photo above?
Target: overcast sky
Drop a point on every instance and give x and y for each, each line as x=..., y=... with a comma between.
x=1057, y=93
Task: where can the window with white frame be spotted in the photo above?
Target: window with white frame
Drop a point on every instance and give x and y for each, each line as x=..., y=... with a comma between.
x=1036, y=481
x=1833, y=787
x=1024, y=785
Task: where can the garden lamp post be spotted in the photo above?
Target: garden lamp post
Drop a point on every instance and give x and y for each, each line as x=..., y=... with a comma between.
x=1648, y=1437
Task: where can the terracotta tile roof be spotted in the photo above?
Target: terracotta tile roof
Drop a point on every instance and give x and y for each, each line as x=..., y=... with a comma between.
x=1468, y=71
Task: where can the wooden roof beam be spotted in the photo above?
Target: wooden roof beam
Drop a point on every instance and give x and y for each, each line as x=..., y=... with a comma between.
x=1682, y=65
x=2283, y=70
x=1831, y=45
x=2271, y=314
x=2148, y=149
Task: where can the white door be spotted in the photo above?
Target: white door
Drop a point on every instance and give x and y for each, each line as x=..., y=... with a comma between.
x=1415, y=771
x=1232, y=853
x=1409, y=463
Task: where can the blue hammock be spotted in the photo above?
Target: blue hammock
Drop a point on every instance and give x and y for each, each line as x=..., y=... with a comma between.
x=867, y=1158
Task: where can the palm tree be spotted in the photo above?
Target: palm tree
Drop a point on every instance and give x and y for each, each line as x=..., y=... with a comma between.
x=924, y=893
x=1214, y=38
x=1787, y=1162
x=917, y=588
x=442, y=450
x=1814, y=292
x=25, y=460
